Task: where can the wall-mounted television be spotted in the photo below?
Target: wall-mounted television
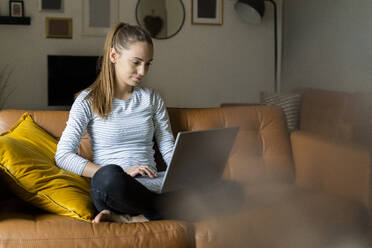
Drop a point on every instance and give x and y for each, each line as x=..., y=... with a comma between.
x=68, y=75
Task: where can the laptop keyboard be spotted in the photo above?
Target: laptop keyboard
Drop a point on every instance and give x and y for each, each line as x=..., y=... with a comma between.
x=153, y=184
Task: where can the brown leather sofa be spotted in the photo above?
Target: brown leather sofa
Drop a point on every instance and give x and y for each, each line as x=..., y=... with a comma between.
x=301, y=190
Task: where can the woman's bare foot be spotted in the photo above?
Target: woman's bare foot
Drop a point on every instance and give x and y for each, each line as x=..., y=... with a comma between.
x=139, y=218
x=109, y=216
x=103, y=216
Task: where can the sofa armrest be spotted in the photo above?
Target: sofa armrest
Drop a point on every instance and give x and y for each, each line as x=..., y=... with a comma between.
x=334, y=167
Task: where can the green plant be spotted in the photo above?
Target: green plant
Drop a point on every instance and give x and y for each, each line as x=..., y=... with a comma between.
x=5, y=89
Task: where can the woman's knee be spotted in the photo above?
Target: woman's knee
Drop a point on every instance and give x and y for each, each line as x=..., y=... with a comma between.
x=108, y=177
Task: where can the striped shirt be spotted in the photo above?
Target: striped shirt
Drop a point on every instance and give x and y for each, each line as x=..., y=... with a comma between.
x=125, y=138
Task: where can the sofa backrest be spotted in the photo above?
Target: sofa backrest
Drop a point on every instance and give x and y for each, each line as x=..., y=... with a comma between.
x=261, y=151
x=362, y=117
x=327, y=113
x=338, y=115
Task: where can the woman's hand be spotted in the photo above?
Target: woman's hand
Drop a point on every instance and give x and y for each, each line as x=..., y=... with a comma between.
x=142, y=170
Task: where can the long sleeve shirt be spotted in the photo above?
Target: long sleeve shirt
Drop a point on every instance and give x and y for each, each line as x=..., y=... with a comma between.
x=125, y=138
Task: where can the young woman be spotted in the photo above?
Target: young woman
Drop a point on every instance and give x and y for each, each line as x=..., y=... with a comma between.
x=121, y=119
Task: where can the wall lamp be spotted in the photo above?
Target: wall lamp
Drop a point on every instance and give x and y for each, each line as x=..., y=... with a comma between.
x=252, y=11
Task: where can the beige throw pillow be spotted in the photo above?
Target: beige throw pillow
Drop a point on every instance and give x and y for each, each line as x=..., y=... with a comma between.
x=290, y=104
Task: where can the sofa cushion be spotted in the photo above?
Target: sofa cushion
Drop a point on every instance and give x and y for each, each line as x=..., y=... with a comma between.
x=22, y=225
x=28, y=167
x=261, y=150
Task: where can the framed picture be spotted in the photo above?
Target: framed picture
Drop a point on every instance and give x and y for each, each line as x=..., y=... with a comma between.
x=209, y=12
x=99, y=16
x=51, y=5
x=58, y=27
x=16, y=8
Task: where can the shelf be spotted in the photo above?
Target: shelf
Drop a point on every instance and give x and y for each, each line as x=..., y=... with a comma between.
x=15, y=20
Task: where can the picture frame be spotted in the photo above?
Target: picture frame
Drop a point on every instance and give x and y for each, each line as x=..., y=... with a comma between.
x=99, y=16
x=58, y=27
x=207, y=12
x=51, y=5
x=16, y=8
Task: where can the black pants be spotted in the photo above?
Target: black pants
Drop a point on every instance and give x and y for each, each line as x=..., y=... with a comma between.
x=115, y=190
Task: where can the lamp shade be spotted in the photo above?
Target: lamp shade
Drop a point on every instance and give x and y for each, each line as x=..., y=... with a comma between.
x=252, y=11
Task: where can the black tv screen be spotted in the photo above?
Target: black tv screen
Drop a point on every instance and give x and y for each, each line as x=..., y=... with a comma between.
x=68, y=75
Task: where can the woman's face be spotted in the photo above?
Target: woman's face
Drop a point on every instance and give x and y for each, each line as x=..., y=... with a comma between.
x=132, y=64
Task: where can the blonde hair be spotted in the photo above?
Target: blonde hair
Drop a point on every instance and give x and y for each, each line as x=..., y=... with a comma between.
x=101, y=91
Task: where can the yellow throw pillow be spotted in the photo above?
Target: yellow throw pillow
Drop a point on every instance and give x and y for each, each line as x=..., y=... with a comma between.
x=27, y=163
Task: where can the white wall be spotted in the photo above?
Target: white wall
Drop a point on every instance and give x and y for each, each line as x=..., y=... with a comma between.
x=327, y=45
x=202, y=66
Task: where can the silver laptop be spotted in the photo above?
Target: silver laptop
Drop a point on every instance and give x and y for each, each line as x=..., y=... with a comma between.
x=199, y=157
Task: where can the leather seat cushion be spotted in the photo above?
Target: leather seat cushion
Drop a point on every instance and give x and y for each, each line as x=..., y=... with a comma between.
x=22, y=225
